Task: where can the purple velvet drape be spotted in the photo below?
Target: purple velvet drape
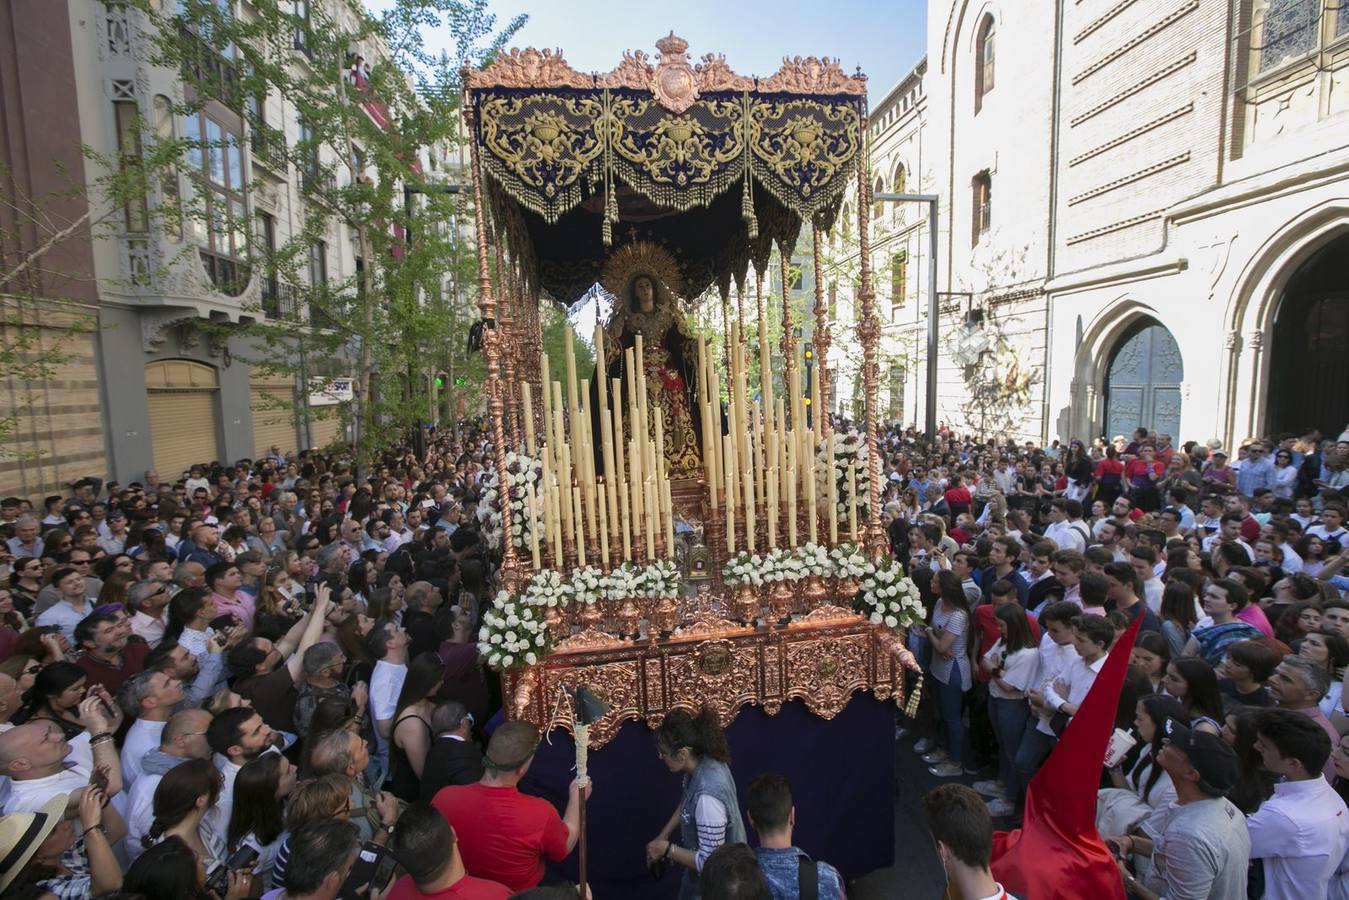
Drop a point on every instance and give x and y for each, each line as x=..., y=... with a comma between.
x=842, y=774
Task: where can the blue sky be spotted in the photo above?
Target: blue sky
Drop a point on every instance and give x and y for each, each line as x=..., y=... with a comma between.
x=884, y=38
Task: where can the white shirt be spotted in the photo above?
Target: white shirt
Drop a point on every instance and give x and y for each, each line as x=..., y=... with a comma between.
x=217, y=818
x=1152, y=594
x=148, y=628
x=66, y=617
x=142, y=737
x=1018, y=670
x=1301, y=833
x=1320, y=531
x=31, y=794
x=1071, y=686
x=140, y=813
x=386, y=683
x=194, y=641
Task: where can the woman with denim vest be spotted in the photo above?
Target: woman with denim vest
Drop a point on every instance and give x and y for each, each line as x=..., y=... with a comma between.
x=708, y=814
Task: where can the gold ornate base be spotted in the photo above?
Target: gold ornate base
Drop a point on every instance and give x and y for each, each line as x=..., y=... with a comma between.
x=822, y=658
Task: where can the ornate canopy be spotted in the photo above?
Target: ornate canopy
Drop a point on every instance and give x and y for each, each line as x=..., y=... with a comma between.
x=712, y=165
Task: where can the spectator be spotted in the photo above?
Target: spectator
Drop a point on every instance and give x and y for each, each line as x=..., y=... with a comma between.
x=412, y=732
x=1222, y=599
x=147, y=700
x=169, y=871
x=733, y=873
x=425, y=846
x=267, y=672
x=1243, y=673
x=41, y=849
x=108, y=657
x=323, y=665
x=183, y=738
x=224, y=581
x=257, y=820
x=1301, y=834
x=236, y=736
x=74, y=602
x=961, y=829
x=950, y=670
x=343, y=753
x=1193, y=682
x=388, y=644
x=148, y=602
x=454, y=757
x=768, y=803
x=1198, y=844
x=183, y=800
x=1011, y=665
x=502, y=834
x=322, y=856
x=1299, y=684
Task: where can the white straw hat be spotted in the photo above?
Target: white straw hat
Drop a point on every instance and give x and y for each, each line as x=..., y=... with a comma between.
x=22, y=833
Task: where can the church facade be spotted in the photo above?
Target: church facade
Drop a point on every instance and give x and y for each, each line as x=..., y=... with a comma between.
x=1144, y=217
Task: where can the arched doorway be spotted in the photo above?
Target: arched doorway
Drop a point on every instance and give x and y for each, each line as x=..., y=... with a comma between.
x=1309, y=369
x=1142, y=382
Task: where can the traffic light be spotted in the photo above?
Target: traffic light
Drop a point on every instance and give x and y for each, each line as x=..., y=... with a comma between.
x=809, y=353
x=441, y=380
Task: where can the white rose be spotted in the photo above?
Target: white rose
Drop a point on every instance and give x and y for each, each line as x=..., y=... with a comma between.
x=891, y=622
x=530, y=658
x=876, y=618
x=507, y=660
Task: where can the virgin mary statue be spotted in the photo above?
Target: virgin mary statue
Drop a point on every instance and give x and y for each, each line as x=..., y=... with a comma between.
x=644, y=280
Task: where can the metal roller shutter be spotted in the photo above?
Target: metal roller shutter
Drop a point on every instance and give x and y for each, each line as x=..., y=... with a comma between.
x=182, y=401
x=273, y=407
x=325, y=430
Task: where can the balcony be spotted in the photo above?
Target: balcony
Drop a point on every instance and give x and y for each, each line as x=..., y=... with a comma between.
x=269, y=147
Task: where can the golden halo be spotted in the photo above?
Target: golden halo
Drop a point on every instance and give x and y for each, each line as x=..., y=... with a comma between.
x=640, y=257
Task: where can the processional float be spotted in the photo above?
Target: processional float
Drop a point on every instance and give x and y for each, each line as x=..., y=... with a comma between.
x=677, y=529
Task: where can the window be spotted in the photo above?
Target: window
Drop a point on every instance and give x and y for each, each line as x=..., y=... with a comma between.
x=265, y=251
x=136, y=214
x=896, y=392
x=310, y=171
x=208, y=65
x=170, y=206
x=899, y=281
x=983, y=66
x=268, y=143
x=301, y=12
x=1288, y=29
x=318, y=285
x=983, y=204
x=901, y=179
x=877, y=206
x=220, y=225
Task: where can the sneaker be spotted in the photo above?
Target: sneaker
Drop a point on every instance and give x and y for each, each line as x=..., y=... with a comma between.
x=924, y=745
x=946, y=770
x=973, y=769
x=936, y=756
x=989, y=788
x=999, y=807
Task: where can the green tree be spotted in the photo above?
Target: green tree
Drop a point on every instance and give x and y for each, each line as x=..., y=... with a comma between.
x=371, y=154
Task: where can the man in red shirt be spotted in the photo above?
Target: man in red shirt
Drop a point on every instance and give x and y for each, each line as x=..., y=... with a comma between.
x=502, y=834
x=424, y=845
x=108, y=658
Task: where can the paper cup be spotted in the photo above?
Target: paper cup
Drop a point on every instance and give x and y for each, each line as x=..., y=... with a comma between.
x=1121, y=742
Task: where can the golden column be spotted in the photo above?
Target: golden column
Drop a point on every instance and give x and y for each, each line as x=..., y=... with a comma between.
x=822, y=338
x=491, y=350
x=869, y=334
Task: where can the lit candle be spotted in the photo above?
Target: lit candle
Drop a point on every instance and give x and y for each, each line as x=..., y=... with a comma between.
x=729, y=459
x=831, y=490
x=852, y=501
x=533, y=526
x=576, y=511
x=526, y=395
x=604, y=523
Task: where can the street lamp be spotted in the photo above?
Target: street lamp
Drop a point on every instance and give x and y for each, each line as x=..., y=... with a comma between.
x=930, y=417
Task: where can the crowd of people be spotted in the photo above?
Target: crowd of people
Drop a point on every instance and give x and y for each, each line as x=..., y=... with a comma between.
x=263, y=679
x=1033, y=561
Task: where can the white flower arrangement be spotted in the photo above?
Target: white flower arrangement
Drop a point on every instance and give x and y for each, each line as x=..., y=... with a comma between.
x=746, y=568
x=587, y=584
x=889, y=597
x=624, y=582
x=662, y=579
x=513, y=632
x=814, y=561
x=547, y=588
x=848, y=446
x=782, y=565
x=849, y=562
x=523, y=473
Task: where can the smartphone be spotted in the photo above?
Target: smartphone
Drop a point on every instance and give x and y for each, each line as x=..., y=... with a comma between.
x=370, y=860
x=218, y=880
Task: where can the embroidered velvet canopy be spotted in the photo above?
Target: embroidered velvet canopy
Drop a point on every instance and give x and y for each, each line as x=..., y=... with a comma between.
x=714, y=166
